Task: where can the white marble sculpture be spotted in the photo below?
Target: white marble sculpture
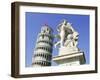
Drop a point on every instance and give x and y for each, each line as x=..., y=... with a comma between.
x=68, y=36
x=68, y=52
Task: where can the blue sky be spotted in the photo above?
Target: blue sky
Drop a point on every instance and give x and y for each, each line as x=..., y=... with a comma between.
x=34, y=22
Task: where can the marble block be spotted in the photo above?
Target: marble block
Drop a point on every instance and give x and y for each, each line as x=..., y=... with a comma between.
x=76, y=58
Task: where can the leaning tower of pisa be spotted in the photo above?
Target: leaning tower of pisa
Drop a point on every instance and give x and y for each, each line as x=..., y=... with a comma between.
x=43, y=48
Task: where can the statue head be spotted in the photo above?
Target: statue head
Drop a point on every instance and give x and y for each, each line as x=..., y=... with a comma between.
x=64, y=22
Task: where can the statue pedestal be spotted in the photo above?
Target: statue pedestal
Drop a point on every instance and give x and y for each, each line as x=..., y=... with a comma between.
x=69, y=57
x=68, y=50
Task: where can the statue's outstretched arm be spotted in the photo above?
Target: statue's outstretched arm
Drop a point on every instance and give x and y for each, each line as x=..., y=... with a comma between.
x=57, y=36
x=57, y=44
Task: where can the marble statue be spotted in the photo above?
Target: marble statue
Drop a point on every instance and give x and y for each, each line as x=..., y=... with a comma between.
x=67, y=35
x=67, y=40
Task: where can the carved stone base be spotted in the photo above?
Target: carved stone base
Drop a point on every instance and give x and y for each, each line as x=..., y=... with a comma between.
x=77, y=58
x=67, y=50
